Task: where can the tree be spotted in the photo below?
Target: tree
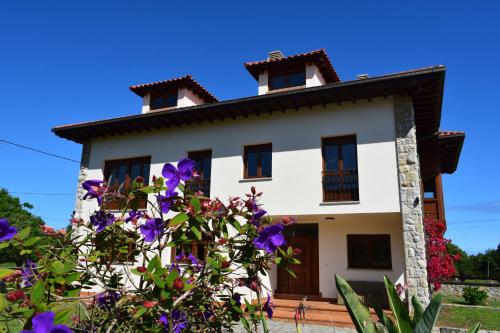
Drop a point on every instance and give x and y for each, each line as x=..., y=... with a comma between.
x=20, y=216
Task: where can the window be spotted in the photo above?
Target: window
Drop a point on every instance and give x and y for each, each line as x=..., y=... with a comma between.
x=198, y=249
x=369, y=251
x=340, y=169
x=203, y=165
x=162, y=100
x=289, y=79
x=117, y=172
x=117, y=246
x=258, y=161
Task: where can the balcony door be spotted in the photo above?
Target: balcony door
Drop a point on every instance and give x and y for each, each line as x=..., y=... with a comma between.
x=203, y=166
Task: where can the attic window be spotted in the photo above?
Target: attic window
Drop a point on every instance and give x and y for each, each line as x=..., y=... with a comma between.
x=163, y=100
x=288, y=79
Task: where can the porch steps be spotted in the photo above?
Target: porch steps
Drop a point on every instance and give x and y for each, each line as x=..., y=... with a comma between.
x=317, y=312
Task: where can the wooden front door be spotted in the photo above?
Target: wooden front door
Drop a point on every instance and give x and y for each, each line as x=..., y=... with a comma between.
x=305, y=238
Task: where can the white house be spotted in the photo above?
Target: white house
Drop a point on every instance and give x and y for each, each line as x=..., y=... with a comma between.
x=357, y=162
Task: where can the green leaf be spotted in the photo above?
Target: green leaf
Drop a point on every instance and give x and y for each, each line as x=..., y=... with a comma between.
x=3, y=302
x=171, y=278
x=158, y=281
x=23, y=233
x=148, y=189
x=195, y=203
x=245, y=324
x=4, y=272
x=475, y=328
x=418, y=309
x=236, y=225
x=4, y=245
x=37, y=292
x=430, y=316
x=212, y=262
x=140, y=313
x=57, y=267
x=386, y=321
x=178, y=219
x=154, y=264
x=32, y=241
x=358, y=312
x=196, y=231
x=401, y=314
x=63, y=316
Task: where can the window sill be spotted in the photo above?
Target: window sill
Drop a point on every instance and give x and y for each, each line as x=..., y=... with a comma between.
x=370, y=269
x=335, y=203
x=249, y=180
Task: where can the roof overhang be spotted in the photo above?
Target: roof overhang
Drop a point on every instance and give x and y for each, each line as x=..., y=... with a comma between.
x=450, y=147
x=425, y=86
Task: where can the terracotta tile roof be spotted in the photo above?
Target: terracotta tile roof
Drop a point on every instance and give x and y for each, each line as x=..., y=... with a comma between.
x=450, y=133
x=319, y=57
x=184, y=81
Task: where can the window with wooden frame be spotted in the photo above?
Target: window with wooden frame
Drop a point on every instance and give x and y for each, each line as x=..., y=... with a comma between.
x=117, y=247
x=287, y=79
x=203, y=166
x=340, y=169
x=369, y=251
x=124, y=171
x=163, y=100
x=257, y=161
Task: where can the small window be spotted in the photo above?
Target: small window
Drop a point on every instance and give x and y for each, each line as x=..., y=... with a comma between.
x=258, y=161
x=369, y=251
x=203, y=166
x=283, y=80
x=118, y=172
x=340, y=169
x=163, y=100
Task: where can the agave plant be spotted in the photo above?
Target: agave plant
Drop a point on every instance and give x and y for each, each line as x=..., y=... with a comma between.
x=422, y=320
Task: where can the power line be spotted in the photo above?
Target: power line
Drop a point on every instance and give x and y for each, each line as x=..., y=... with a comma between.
x=41, y=193
x=39, y=151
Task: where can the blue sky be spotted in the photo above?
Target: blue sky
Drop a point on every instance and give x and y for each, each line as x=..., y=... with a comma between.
x=66, y=61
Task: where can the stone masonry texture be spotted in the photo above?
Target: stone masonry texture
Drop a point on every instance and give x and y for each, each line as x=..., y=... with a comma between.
x=410, y=199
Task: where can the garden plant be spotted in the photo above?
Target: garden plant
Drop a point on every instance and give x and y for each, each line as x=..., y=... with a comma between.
x=115, y=272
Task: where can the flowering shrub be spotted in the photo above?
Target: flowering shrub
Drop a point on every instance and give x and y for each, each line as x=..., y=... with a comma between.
x=440, y=264
x=124, y=257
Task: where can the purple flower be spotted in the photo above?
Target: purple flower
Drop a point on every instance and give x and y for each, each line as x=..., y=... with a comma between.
x=184, y=171
x=270, y=238
x=101, y=220
x=28, y=273
x=268, y=307
x=133, y=216
x=152, y=229
x=94, y=189
x=108, y=299
x=44, y=323
x=183, y=257
x=179, y=321
x=7, y=231
x=237, y=299
x=165, y=201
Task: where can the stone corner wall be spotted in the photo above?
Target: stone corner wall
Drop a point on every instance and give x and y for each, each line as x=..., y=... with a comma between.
x=457, y=289
x=411, y=199
x=82, y=176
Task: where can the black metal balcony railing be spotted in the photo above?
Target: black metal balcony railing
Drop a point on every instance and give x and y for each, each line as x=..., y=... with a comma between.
x=340, y=186
x=202, y=185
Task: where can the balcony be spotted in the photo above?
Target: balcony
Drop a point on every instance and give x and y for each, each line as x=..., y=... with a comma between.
x=202, y=185
x=340, y=186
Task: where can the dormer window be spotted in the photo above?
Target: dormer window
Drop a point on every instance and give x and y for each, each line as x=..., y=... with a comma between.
x=163, y=100
x=288, y=79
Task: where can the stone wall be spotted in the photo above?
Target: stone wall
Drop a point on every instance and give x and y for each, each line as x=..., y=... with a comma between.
x=410, y=199
x=457, y=288
x=82, y=176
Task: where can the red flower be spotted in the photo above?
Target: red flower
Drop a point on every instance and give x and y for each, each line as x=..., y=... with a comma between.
x=149, y=304
x=142, y=269
x=178, y=284
x=225, y=264
x=13, y=296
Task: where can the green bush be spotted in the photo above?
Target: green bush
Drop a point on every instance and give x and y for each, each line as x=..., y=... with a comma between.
x=474, y=295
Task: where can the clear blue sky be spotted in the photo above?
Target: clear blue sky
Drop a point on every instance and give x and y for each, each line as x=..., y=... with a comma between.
x=66, y=61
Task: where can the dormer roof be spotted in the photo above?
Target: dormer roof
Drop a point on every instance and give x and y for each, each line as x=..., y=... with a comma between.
x=318, y=57
x=450, y=146
x=186, y=81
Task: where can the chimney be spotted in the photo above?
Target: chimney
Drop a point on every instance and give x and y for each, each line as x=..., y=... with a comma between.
x=274, y=55
x=362, y=76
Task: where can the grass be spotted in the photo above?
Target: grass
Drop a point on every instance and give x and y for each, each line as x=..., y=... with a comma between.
x=460, y=300
x=466, y=317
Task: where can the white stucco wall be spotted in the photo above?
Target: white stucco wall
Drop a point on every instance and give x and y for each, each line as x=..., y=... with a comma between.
x=186, y=97
x=295, y=188
x=263, y=83
x=313, y=76
x=145, y=103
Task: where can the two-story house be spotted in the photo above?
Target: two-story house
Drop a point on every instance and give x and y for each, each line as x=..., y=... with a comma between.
x=357, y=162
